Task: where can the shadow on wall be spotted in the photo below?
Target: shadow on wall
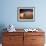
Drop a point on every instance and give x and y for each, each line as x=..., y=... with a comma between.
x=2, y=26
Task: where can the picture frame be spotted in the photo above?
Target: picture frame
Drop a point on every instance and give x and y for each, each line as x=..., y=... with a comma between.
x=26, y=14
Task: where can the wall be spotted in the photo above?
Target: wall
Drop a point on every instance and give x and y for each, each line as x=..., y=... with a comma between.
x=8, y=13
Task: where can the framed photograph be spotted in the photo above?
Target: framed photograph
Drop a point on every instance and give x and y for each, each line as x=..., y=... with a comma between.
x=26, y=14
